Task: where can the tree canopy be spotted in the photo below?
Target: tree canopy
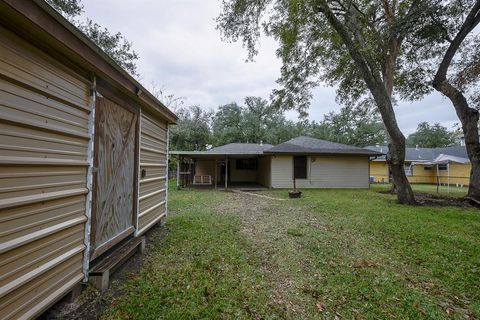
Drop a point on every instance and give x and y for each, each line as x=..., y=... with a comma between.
x=431, y=136
x=113, y=44
x=353, y=126
x=192, y=131
x=258, y=121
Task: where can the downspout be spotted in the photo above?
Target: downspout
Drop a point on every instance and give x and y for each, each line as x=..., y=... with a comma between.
x=226, y=172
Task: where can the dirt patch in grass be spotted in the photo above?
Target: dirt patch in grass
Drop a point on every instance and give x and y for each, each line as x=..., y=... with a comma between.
x=432, y=200
x=428, y=199
x=272, y=228
x=91, y=304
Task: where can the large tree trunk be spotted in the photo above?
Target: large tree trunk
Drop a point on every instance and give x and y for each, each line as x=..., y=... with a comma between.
x=474, y=187
x=468, y=116
x=378, y=89
x=387, y=76
x=396, y=148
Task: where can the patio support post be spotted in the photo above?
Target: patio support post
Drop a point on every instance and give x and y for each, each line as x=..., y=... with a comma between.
x=215, y=173
x=226, y=172
x=448, y=173
x=178, y=172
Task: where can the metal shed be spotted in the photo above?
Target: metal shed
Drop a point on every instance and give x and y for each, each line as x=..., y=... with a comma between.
x=83, y=157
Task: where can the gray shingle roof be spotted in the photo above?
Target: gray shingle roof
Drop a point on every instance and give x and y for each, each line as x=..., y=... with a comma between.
x=425, y=154
x=308, y=145
x=238, y=148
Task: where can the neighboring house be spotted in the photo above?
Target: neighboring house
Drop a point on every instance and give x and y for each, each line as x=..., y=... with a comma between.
x=83, y=158
x=448, y=165
x=314, y=163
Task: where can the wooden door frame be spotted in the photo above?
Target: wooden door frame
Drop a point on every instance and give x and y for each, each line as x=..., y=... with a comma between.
x=107, y=92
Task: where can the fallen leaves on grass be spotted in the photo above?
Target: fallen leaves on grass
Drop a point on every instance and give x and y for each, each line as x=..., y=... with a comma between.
x=363, y=263
x=320, y=307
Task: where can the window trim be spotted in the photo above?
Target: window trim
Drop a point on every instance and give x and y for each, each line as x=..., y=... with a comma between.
x=443, y=167
x=305, y=176
x=246, y=164
x=408, y=169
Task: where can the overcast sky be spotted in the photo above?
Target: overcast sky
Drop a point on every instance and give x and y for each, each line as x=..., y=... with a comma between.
x=181, y=51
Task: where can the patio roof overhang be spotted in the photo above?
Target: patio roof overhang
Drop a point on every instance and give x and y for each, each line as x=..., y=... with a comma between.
x=443, y=159
x=214, y=155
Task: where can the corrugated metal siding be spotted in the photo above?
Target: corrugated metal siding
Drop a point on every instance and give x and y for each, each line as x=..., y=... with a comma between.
x=153, y=159
x=322, y=172
x=43, y=163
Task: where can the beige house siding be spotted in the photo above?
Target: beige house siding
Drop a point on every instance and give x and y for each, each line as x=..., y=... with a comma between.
x=236, y=175
x=205, y=168
x=282, y=171
x=264, y=171
x=153, y=162
x=322, y=172
x=43, y=178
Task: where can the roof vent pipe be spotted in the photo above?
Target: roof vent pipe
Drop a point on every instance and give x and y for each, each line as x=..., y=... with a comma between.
x=377, y=145
x=261, y=142
x=416, y=147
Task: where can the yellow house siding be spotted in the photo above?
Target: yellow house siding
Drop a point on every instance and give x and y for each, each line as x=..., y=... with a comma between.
x=322, y=172
x=379, y=171
x=420, y=175
x=459, y=174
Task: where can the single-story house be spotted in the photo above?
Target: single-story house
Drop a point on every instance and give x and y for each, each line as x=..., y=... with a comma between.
x=314, y=163
x=83, y=159
x=447, y=165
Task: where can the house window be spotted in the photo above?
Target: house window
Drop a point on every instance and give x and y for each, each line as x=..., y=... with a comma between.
x=300, y=167
x=443, y=167
x=408, y=170
x=427, y=168
x=246, y=164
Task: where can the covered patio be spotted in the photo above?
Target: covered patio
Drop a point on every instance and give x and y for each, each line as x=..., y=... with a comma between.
x=237, y=165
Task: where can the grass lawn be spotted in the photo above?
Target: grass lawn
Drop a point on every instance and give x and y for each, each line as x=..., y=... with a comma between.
x=348, y=254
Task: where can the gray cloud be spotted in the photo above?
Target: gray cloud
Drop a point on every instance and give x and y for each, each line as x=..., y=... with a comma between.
x=181, y=51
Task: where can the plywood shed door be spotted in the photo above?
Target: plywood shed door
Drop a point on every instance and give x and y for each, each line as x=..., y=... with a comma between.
x=114, y=197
